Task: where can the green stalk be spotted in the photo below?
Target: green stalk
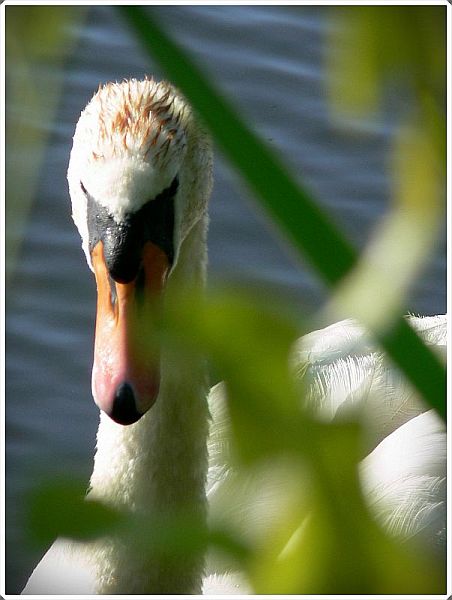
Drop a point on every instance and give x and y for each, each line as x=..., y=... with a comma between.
x=290, y=206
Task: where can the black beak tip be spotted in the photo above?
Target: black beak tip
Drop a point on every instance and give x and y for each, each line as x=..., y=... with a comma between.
x=124, y=410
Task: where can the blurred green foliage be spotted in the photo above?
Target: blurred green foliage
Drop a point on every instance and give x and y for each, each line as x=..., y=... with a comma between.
x=59, y=508
x=323, y=540
x=37, y=41
x=372, y=47
x=328, y=543
x=294, y=210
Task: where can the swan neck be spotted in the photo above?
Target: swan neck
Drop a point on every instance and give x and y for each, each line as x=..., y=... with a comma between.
x=157, y=466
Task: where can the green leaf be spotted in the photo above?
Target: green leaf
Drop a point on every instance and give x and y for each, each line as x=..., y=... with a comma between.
x=333, y=545
x=59, y=508
x=290, y=205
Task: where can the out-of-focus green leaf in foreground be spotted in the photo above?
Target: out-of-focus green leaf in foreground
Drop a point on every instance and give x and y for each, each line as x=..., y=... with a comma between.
x=323, y=540
x=58, y=507
x=291, y=206
x=372, y=46
x=318, y=537
x=37, y=41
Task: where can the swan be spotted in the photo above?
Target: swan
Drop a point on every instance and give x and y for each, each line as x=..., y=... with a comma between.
x=140, y=178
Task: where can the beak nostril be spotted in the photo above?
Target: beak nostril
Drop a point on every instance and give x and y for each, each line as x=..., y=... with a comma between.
x=124, y=410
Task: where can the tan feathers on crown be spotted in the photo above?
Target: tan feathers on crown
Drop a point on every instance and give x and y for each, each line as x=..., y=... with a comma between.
x=137, y=115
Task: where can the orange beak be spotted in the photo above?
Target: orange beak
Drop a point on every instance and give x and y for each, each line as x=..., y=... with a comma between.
x=126, y=369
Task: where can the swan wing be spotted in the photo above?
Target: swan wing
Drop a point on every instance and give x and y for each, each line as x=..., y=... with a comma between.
x=64, y=569
x=225, y=584
x=343, y=372
x=404, y=480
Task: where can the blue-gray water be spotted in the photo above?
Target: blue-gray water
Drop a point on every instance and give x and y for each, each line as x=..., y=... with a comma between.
x=269, y=61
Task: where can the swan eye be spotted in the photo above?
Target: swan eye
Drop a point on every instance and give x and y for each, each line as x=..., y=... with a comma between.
x=83, y=188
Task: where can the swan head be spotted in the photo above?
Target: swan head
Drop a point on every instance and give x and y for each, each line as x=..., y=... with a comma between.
x=139, y=178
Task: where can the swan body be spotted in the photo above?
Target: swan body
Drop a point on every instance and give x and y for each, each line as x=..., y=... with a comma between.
x=348, y=374
x=403, y=474
x=161, y=439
